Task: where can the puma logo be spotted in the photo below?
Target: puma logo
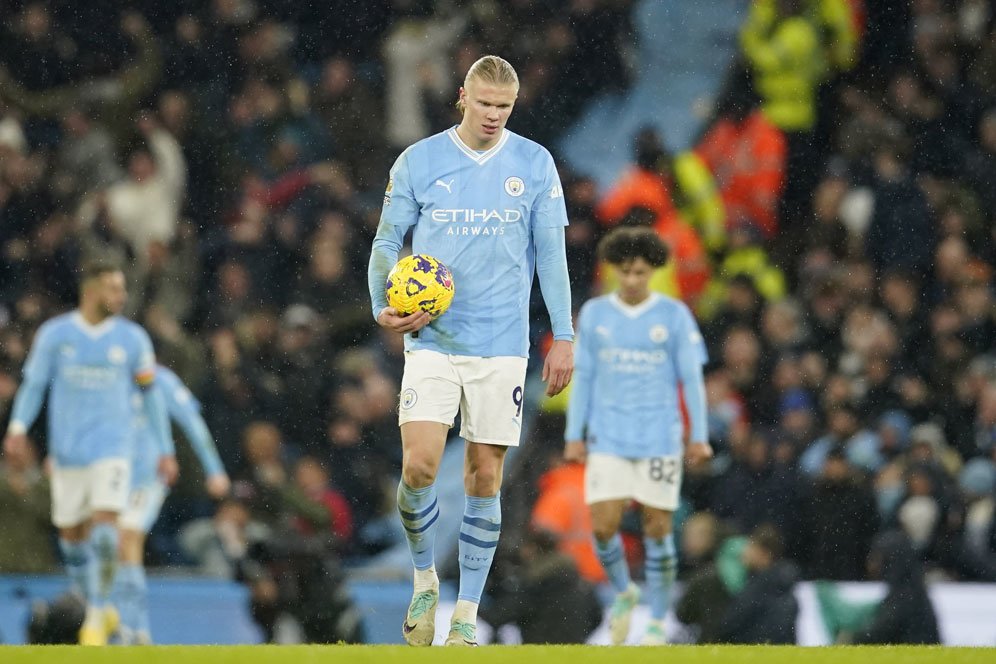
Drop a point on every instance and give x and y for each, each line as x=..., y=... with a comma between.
x=445, y=185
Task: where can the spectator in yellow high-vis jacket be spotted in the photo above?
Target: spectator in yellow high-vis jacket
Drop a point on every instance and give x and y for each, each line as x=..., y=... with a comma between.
x=835, y=20
x=783, y=46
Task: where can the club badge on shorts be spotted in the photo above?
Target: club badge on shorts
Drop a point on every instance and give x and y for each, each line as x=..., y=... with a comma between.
x=408, y=398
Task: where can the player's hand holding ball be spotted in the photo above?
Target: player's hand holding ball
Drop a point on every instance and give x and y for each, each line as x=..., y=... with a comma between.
x=403, y=323
x=419, y=290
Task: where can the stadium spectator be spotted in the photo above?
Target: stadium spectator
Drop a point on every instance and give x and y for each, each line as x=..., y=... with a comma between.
x=765, y=610
x=839, y=520
x=681, y=194
x=782, y=46
x=26, y=545
x=906, y=615
x=708, y=592
x=746, y=154
x=523, y=598
x=312, y=490
x=560, y=510
x=701, y=536
x=218, y=545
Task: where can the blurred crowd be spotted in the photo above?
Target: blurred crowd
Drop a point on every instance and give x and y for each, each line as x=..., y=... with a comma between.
x=833, y=229
x=835, y=232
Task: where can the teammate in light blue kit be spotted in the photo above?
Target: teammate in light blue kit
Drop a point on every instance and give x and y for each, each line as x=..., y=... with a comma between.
x=148, y=492
x=488, y=203
x=88, y=362
x=635, y=348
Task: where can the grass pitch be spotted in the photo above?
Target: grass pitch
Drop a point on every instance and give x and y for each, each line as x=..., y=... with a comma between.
x=494, y=654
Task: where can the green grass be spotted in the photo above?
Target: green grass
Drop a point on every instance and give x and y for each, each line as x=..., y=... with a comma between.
x=487, y=655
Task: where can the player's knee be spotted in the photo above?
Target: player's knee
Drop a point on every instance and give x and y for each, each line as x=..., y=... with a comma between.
x=656, y=531
x=657, y=526
x=603, y=532
x=482, y=481
x=418, y=473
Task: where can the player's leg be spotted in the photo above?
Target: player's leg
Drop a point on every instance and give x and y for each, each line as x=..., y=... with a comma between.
x=606, y=517
x=423, y=444
x=131, y=590
x=608, y=485
x=109, y=485
x=479, y=534
x=657, y=488
x=71, y=516
x=430, y=396
x=491, y=422
x=661, y=568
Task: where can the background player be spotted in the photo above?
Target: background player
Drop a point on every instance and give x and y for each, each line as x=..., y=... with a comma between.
x=489, y=204
x=148, y=492
x=91, y=358
x=635, y=349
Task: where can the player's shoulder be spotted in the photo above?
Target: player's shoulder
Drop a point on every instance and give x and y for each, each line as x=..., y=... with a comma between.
x=58, y=323
x=429, y=144
x=595, y=305
x=670, y=305
x=57, y=327
x=422, y=153
x=131, y=329
x=598, y=301
x=527, y=146
x=167, y=378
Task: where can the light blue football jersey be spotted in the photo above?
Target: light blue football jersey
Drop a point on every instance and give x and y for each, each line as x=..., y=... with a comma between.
x=625, y=394
x=477, y=212
x=184, y=409
x=90, y=372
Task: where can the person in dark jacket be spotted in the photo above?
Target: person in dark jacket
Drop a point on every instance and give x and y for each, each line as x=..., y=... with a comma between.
x=546, y=598
x=906, y=615
x=702, y=607
x=901, y=232
x=765, y=611
x=838, y=521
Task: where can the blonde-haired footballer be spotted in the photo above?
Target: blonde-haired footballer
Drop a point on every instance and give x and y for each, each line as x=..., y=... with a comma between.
x=488, y=203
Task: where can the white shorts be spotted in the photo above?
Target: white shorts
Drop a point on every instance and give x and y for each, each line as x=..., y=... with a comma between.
x=79, y=491
x=654, y=481
x=144, y=505
x=487, y=391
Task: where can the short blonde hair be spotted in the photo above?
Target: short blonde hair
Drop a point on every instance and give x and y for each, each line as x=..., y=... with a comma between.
x=490, y=69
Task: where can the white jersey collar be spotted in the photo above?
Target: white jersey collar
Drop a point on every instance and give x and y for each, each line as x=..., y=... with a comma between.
x=479, y=157
x=93, y=331
x=634, y=310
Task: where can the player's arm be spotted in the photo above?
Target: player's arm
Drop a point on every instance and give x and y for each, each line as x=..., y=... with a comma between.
x=579, y=404
x=549, y=217
x=400, y=212
x=37, y=375
x=154, y=406
x=690, y=358
x=183, y=410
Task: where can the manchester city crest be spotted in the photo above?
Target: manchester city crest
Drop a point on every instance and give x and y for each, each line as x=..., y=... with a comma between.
x=514, y=186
